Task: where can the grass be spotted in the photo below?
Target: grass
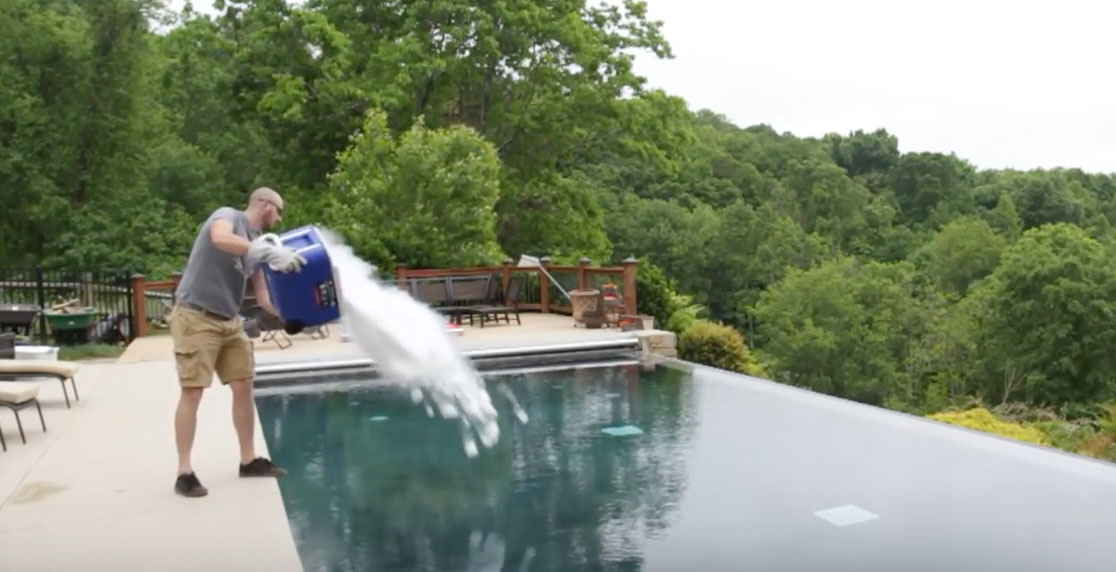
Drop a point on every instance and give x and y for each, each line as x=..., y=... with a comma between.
x=89, y=351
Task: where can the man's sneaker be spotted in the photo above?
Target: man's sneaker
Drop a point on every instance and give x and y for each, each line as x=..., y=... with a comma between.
x=261, y=467
x=188, y=485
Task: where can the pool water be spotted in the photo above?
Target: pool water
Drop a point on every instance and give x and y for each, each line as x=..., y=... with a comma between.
x=628, y=468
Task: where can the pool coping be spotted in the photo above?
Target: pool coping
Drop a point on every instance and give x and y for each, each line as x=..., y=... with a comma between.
x=329, y=368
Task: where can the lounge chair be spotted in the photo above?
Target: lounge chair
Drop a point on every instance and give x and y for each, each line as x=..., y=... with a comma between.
x=467, y=295
x=17, y=396
x=497, y=305
x=435, y=293
x=20, y=369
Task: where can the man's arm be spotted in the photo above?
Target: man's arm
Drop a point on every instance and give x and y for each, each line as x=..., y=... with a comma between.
x=223, y=237
x=263, y=296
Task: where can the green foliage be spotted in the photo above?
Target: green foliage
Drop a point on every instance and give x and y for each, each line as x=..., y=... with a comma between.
x=427, y=199
x=89, y=351
x=932, y=187
x=552, y=215
x=76, y=122
x=1074, y=437
x=941, y=362
x=864, y=153
x=982, y=419
x=1046, y=319
x=1088, y=430
x=1005, y=218
x=674, y=237
x=716, y=345
x=843, y=328
x=684, y=312
x=964, y=251
x=452, y=133
x=657, y=293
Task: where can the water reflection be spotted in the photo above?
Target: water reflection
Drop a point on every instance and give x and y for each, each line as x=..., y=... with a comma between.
x=375, y=484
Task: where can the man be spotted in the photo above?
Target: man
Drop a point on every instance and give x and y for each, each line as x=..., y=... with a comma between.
x=208, y=332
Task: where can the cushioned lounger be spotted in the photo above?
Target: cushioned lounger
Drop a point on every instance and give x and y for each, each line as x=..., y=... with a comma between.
x=16, y=396
x=23, y=368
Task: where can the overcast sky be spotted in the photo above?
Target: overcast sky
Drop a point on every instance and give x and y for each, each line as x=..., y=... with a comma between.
x=1020, y=84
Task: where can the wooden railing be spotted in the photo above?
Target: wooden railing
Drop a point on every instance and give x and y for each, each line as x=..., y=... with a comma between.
x=540, y=293
x=148, y=297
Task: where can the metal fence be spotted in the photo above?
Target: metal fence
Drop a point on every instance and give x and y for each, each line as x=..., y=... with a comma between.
x=98, y=304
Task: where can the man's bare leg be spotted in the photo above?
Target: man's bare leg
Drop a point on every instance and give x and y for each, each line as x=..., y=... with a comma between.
x=244, y=419
x=185, y=425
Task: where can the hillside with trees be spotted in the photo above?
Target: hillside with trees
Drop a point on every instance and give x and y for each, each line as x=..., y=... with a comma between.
x=451, y=133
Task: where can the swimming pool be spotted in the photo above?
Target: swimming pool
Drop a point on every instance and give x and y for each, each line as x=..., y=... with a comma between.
x=666, y=467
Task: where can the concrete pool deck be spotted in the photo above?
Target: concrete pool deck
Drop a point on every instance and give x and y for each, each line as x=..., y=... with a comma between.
x=95, y=490
x=536, y=329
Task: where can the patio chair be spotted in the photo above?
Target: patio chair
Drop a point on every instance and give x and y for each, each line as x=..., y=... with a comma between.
x=7, y=346
x=18, y=396
x=435, y=293
x=20, y=369
x=467, y=295
x=497, y=305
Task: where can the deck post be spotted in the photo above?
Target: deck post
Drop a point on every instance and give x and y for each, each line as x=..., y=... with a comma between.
x=176, y=279
x=631, y=267
x=544, y=285
x=139, y=304
x=582, y=275
x=400, y=270
x=505, y=274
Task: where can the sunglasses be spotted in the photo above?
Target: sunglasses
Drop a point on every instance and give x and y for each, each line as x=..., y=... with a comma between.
x=278, y=208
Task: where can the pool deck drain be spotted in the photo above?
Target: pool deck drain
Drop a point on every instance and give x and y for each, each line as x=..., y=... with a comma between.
x=95, y=490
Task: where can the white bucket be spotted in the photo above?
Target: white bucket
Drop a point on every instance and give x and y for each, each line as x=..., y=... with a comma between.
x=49, y=353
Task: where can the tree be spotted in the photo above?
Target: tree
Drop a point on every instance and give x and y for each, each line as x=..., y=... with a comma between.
x=677, y=239
x=427, y=199
x=963, y=252
x=545, y=82
x=1004, y=218
x=933, y=188
x=78, y=131
x=865, y=156
x=552, y=214
x=754, y=249
x=1046, y=331
x=843, y=328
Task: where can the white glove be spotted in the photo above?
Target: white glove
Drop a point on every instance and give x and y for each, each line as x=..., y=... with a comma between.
x=268, y=249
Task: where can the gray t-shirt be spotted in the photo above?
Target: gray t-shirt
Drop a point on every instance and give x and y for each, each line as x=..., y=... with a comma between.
x=214, y=279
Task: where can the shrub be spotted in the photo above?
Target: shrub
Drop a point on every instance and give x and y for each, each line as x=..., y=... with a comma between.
x=1102, y=445
x=685, y=313
x=982, y=419
x=655, y=292
x=1069, y=436
x=659, y=297
x=716, y=345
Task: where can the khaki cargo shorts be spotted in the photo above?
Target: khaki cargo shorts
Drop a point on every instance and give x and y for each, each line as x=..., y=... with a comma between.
x=205, y=344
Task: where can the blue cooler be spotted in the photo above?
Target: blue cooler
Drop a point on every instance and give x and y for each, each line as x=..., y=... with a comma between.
x=308, y=297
